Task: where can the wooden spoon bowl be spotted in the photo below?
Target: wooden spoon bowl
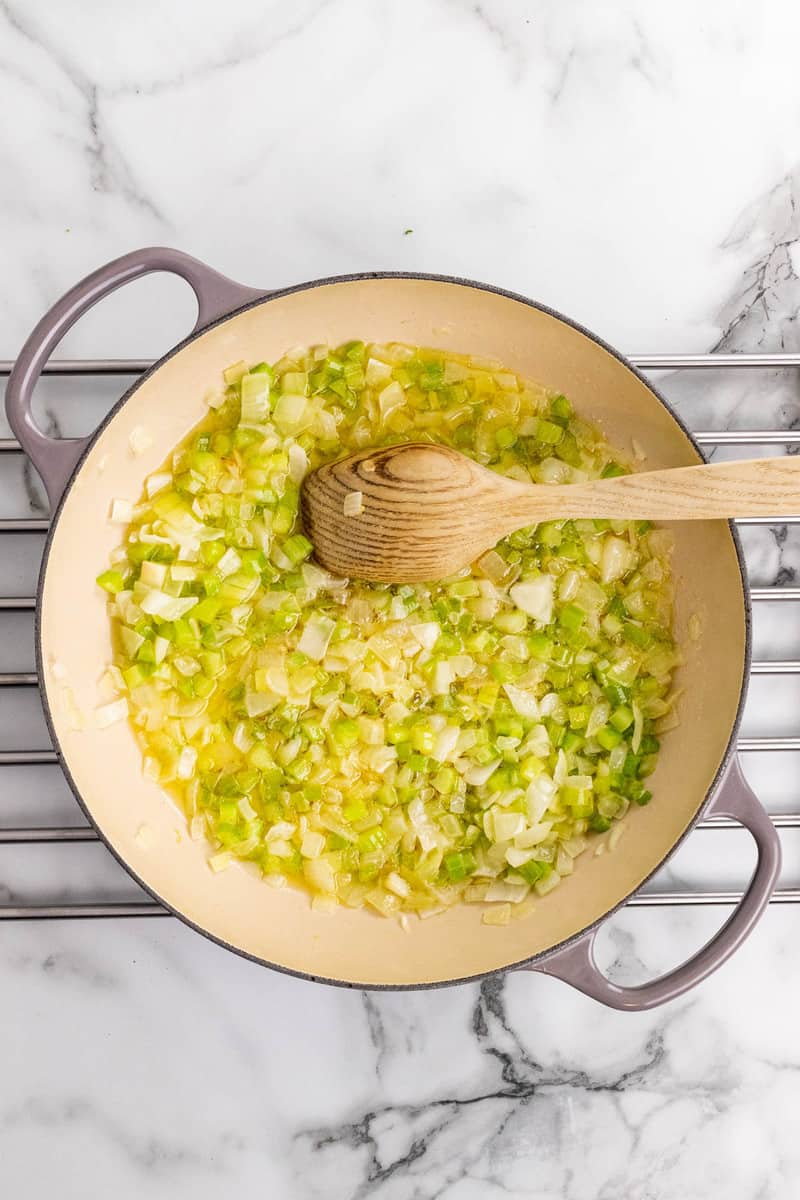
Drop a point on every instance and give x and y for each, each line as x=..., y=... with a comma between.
x=419, y=511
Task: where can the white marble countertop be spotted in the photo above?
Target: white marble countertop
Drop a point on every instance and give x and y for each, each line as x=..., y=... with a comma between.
x=634, y=165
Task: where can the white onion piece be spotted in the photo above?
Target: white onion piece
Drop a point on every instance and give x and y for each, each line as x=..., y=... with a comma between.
x=617, y=559
x=121, y=512
x=109, y=714
x=140, y=440
x=535, y=597
x=523, y=703
x=316, y=637
x=353, y=504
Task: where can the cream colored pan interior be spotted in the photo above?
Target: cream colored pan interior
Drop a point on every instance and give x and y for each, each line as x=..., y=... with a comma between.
x=139, y=820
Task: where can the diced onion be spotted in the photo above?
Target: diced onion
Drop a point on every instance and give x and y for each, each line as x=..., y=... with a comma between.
x=503, y=890
x=378, y=372
x=186, y=762
x=493, y=566
x=121, y=511
x=427, y=633
x=389, y=399
x=617, y=559
x=153, y=573
x=353, y=504
x=395, y=883
x=535, y=597
x=445, y=744
x=312, y=845
x=109, y=714
x=298, y=463
x=316, y=637
x=140, y=440
x=523, y=703
x=499, y=914
x=400, y=748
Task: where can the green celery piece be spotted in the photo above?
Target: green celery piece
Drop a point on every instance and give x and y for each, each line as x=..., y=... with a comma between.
x=505, y=437
x=608, y=738
x=297, y=548
x=111, y=581
x=459, y=865
x=571, y=617
x=549, y=432
x=561, y=408
x=621, y=718
x=532, y=871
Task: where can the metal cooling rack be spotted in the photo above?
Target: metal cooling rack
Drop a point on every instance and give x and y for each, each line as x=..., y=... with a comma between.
x=65, y=836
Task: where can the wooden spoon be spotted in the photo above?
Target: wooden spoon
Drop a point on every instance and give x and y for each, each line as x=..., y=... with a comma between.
x=422, y=511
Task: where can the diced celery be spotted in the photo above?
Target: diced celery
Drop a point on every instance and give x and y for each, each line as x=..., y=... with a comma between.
x=459, y=865
x=622, y=718
x=571, y=617
x=398, y=747
x=505, y=438
x=608, y=738
x=111, y=581
x=297, y=548
x=549, y=433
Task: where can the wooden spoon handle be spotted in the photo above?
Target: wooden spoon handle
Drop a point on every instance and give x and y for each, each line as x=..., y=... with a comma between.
x=746, y=488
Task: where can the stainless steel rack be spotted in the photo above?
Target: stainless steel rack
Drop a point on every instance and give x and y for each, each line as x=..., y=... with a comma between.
x=130, y=368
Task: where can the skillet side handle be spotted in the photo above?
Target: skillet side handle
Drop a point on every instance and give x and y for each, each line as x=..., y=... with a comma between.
x=576, y=964
x=56, y=458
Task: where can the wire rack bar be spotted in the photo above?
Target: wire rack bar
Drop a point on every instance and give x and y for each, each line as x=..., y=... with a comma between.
x=748, y=437
x=744, y=522
x=25, y=525
x=774, y=745
x=122, y=368
x=36, y=835
x=682, y=899
x=645, y=362
x=27, y=758
x=776, y=667
x=714, y=362
x=65, y=912
x=705, y=437
x=87, y=366
x=748, y=745
x=759, y=594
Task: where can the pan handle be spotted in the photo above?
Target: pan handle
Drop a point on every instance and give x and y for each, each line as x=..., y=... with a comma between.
x=576, y=964
x=56, y=458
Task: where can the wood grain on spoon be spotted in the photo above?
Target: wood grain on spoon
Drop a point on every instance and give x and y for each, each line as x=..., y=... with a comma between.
x=426, y=511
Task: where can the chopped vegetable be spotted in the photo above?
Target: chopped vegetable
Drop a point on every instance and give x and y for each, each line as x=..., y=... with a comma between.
x=140, y=440
x=108, y=714
x=535, y=598
x=121, y=512
x=400, y=748
x=353, y=504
